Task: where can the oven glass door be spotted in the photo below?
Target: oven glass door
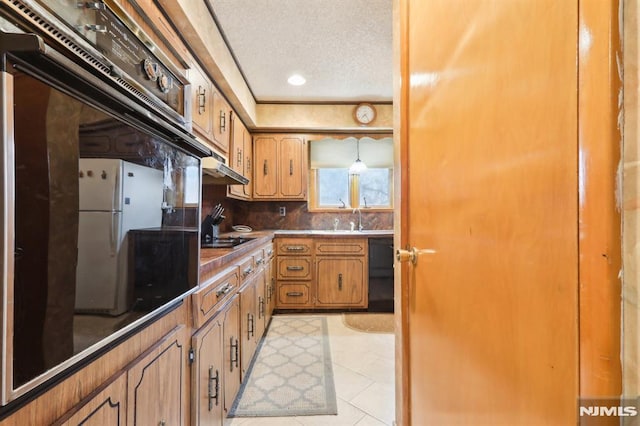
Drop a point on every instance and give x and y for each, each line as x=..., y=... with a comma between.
x=83, y=191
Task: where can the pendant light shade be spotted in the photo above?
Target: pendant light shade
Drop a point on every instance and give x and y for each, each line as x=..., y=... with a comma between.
x=358, y=166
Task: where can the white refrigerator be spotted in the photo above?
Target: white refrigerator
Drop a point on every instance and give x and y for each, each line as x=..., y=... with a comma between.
x=115, y=196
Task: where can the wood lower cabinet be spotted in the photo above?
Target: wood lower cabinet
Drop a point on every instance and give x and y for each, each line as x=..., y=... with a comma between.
x=294, y=273
x=248, y=319
x=207, y=374
x=157, y=383
x=340, y=282
x=323, y=273
x=107, y=407
x=231, y=352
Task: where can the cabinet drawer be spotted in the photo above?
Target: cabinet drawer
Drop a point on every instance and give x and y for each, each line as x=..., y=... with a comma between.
x=269, y=252
x=213, y=293
x=350, y=246
x=294, y=295
x=247, y=268
x=293, y=246
x=294, y=268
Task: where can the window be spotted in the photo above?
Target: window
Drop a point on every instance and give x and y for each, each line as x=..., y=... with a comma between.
x=332, y=187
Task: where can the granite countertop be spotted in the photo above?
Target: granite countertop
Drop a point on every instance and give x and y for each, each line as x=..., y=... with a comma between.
x=339, y=233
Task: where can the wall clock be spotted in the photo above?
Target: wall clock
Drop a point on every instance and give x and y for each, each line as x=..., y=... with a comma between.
x=364, y=113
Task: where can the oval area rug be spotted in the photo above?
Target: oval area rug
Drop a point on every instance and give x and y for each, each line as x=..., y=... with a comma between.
x=369, y=322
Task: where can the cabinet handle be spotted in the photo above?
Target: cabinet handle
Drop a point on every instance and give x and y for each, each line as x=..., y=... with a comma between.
x=247, y=271
x=294, y=248
x=295, y=268
x=213, y=387
x=259, y=261
x=233, y=350
x=223, y=121
x=260, y=307
x=248, y=165
x=340, y=282
x=290, y=167
x=224, y=290
x=265, y=168
x=295, y=293
x=250, y=325
x=239, y=158
x=269, y=253
x=202, y=100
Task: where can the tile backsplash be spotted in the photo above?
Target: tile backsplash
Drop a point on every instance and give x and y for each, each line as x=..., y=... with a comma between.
x=266, y=214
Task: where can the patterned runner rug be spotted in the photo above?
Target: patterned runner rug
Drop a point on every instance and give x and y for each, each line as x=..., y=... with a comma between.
x=291, y=374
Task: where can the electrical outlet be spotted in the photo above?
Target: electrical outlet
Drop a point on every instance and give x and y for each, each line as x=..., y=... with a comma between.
x=283, y=211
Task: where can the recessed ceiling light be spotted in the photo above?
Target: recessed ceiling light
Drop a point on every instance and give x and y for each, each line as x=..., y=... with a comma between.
x=296, y=80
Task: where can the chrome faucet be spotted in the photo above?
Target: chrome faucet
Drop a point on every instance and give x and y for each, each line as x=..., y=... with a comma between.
x=359, y=218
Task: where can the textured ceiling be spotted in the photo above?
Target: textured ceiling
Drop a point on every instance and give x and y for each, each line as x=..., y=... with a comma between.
x=342, y=47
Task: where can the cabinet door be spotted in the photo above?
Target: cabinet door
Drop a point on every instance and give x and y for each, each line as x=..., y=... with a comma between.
x=261, y=304
x=201, y=91
x=106, y=408
x=293, y=168
x=231, y=353
x=236, y=155
x=207, y=374
x=266, y=162
x=248, y=164
x=221, y=122
x=341, y=281
x=270, y=287
x=156, y=384
x=248, y=318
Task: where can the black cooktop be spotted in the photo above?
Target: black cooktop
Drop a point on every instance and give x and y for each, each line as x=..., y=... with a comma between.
x=228, y=242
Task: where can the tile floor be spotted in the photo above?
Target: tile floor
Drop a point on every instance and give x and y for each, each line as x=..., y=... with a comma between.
x=363, y=369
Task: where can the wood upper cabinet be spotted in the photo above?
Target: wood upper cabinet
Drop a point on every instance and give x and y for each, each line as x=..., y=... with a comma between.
x=221, y=122
x=157, y=382
x=210, y=112
x=240, y=158
x=280, y=167
x=207, y=374
x=201, y=105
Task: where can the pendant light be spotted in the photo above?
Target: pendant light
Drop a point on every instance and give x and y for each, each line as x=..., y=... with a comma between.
x=358, y=166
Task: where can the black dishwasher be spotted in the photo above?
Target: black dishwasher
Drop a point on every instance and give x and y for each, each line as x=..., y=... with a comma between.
x=381, y=274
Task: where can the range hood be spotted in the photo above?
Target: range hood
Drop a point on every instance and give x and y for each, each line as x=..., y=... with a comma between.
x=214, y=171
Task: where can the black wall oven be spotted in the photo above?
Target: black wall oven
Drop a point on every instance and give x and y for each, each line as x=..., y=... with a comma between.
x=96, y=148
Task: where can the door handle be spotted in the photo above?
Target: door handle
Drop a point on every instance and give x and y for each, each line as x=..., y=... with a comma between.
x=411, y=254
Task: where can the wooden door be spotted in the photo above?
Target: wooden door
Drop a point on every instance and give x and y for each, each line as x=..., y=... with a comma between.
x=266, y=161
x=293, y=167
x=156, y=384
x=489, y=165
x=231, y=354
x=208, y=375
